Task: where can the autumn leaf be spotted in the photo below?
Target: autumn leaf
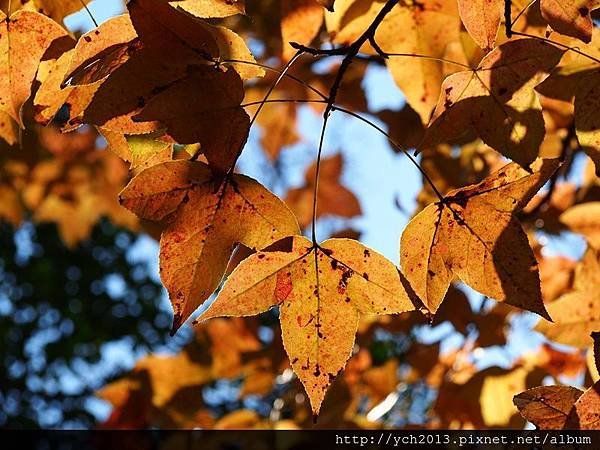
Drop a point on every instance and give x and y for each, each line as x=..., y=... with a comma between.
x=156, y=88
x=301, y=21
x=327, y=4
x=584, y=219
x=332, y=197
x=585, y=414
x=481, y=18
x=206, y=220
x=321, y=291
x=547, y=407
x=101, y=51
x=9, y=129
x=54, y=9
x=208, y=9
x=576, y=314
x=570, y=17
x=474, y=235
x=427, y=28
x=496, y=101
x=25, y=37
x=146, y=151
x=587, y=124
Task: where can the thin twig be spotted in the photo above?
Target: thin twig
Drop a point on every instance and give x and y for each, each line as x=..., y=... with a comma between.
x=507, y=18
x=289, y=64
x=283, y=100
x=279, y=71
x=512, y=23
x=89, y=13
x=349, y=53
x=550, y=41
x=414, y=55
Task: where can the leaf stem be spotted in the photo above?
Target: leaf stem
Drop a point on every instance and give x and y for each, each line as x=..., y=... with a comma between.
x=550, y=41
x=415, y=55
x=289, y=64
x=89, y=13
x=512, y=23
x=273, y=69
x=349, y=53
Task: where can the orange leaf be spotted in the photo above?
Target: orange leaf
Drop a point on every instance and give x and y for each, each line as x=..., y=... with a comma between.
x=206, y=221
x=321, y=291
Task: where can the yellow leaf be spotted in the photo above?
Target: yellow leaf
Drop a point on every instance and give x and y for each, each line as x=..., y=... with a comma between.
x=208, y=220
x=321, y=291
x=207, y=9
x=427, y=28
x=575, y=316
x=55, y=9
x=24, y=39
x=301, y=21
x=496, y=393
x=473, y=234
x=577, y=313
x=497, y=101
x=482, y=19
x=146, y=151
x=584, y=219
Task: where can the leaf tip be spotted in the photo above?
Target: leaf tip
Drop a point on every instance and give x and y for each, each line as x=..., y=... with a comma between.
x=544, y=313
x=177, y=322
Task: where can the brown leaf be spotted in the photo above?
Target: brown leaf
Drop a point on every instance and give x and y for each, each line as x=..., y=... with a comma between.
x=482, y=19
x=570, y=17
x=321, y=291
x=101, y=51
x=547, y=407
x=157, y=87
x=25, y=37
x=332, y=197
x=497, y=101
x=585, y=414
x=474, y=235
x=207, y=220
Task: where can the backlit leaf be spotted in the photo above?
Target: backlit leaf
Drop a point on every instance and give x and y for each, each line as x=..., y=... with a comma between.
x=206, y=220
x=570, y=17
x=24, y=39
x=547, y=407
x=482, y=19
x=474, y=236
x=496, y=101
x=320, y=291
